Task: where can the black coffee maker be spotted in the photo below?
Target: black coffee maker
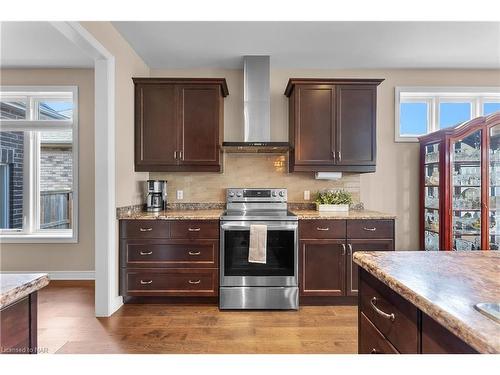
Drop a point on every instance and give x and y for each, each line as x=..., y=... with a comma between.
x=156, y=198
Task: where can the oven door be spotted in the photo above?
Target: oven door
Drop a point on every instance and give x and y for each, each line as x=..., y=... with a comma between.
x=281, y=267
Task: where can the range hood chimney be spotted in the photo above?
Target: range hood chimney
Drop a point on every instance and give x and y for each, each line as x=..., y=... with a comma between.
x=257, y=109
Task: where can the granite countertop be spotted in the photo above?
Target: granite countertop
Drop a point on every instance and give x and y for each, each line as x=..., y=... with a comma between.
x=15, y=286
x=445, y=285
x=351, y=214
x=213, y=214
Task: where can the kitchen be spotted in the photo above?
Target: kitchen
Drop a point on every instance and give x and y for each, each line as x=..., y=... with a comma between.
x=215, y=223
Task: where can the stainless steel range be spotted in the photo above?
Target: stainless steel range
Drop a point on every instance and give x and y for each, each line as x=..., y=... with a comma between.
x=269, y=285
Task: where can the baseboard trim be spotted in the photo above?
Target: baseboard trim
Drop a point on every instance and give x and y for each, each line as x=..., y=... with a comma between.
x=63, y=275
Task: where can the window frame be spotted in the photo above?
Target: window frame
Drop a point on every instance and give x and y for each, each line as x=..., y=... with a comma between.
x=31, y=232
x=435, y=95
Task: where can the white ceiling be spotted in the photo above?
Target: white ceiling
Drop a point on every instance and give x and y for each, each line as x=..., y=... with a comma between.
x=335, y=45
x=38, y=45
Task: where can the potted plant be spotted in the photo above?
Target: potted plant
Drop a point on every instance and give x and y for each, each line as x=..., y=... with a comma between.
x=329, y=200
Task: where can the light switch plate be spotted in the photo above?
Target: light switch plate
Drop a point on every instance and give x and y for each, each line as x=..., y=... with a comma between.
x=307, y=195
x=180, y=194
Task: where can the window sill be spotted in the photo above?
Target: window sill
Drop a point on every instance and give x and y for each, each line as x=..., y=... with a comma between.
x=38, y=238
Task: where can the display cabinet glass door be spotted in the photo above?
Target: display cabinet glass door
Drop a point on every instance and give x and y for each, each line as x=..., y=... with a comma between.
x=431, y=197
x=466, y=192
x=494, y=188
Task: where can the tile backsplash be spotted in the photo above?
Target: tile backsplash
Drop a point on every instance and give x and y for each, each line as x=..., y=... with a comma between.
x=251, y=170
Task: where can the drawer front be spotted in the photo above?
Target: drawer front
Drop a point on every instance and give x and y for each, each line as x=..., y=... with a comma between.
x=371, y=341
x=370, y=229
x=175, y=282
x=438, y=340
x=322, y=229
x=391, y=314
x=170, y=253
x=15, y=327
x=194, y=229
x=144, y=229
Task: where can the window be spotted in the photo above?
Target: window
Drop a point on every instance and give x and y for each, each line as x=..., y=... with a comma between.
x=423, y=110
x=38, y=164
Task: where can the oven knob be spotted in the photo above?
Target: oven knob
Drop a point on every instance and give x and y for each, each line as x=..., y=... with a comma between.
x=282, y=193
x=274, y=194
x=238, y=194
x=231, y=193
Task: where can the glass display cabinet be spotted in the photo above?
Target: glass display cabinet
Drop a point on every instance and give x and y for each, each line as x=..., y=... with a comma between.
x=460, y=186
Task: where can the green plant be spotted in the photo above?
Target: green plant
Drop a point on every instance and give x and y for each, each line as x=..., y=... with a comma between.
x=333, y=197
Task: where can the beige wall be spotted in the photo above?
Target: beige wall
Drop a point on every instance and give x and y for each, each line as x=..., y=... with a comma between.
x=61, y=257
x=393, y=188
x=128, y=64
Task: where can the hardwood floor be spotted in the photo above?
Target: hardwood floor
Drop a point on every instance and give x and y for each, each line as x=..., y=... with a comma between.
x=66, y=324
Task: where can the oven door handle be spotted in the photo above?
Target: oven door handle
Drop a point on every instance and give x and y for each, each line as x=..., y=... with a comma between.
x=247, y=227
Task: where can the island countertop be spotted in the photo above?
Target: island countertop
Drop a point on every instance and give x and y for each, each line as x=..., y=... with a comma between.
x=446, y=286
x=14, y=286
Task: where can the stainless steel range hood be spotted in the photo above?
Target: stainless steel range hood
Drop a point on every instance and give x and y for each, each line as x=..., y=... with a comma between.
x=257, y=109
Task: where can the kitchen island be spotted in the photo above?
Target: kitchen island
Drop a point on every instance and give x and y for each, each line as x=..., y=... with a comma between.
x=18, y=312
x=425, y=302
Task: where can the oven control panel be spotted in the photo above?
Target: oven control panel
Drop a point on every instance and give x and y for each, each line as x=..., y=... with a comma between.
x=256, y=195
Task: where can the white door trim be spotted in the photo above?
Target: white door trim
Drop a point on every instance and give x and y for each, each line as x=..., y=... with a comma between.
x=107, y=299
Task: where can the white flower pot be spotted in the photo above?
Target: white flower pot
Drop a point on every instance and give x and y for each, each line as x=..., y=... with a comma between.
x=332, y=207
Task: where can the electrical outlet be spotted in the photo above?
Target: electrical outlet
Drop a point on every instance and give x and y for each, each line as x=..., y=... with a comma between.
x=307, y=195
x=180, y=194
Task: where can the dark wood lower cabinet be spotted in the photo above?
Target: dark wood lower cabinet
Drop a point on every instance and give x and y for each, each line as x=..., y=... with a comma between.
x=389, y=324
x=169, y=260
x=438, y=340
x=18, y=326
x=373, y=341
x=352, y=268
x=326, y=249
x=322, y=267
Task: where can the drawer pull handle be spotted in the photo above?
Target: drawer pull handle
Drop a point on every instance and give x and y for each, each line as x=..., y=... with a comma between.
x=194, y=281
x=194, y=252
x=383, y=314
x=194, y=229
x=146, y=252
x=322, y=229
x=343, y=249
x=369, y=229
x=374, y=351
x=145, y=229
x=145, y=282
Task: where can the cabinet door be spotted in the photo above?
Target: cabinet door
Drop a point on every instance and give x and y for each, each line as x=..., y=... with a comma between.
x=355, y=125
x=352, y=268
x=199, y=120
x=155, y=126
x=322, y=272
x=314, y=119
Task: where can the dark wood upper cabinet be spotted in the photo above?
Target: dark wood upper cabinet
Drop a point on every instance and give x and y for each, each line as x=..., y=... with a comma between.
x=315, y=114
x=332, y=124
x=179, y=124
